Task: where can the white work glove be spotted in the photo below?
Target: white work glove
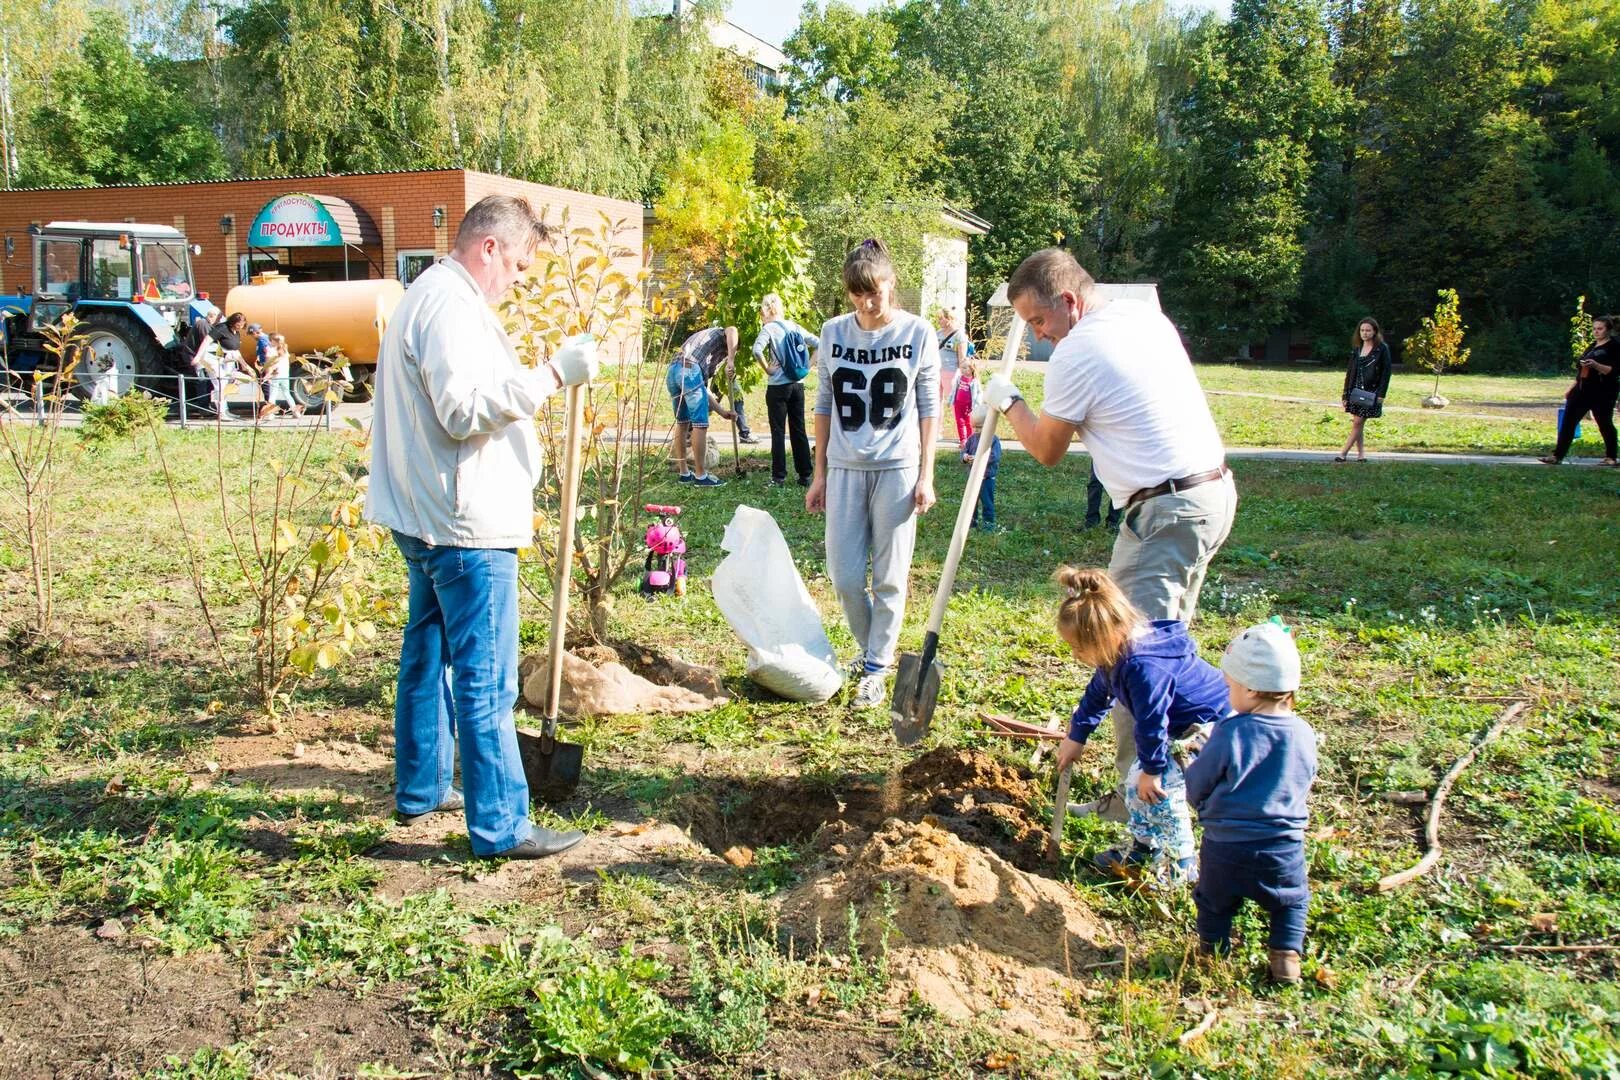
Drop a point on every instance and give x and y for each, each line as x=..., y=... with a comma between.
x=576, y=361
x=1000, y=393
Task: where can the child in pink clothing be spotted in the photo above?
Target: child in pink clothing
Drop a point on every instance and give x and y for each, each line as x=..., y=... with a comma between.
x=967, y=395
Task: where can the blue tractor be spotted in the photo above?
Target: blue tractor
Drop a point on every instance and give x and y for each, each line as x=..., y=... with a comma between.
x=131, y=289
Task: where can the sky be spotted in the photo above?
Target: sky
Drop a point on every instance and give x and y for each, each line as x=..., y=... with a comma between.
x=774, y=20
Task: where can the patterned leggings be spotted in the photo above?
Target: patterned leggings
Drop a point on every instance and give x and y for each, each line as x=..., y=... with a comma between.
x=1164, y=826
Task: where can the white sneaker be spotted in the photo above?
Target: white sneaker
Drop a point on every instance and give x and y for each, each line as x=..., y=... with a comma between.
x=872, y=690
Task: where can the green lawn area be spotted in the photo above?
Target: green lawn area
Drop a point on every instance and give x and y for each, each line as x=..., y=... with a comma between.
x=256, y=868
x=1488, y=414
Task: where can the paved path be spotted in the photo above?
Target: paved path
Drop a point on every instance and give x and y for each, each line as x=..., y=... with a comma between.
x=1525, y=413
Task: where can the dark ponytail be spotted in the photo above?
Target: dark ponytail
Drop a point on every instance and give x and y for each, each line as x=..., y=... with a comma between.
x=867, y=266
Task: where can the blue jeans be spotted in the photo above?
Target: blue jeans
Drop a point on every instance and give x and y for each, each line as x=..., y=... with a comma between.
x=1269, y=872
x=458, y=681
x=986, y=506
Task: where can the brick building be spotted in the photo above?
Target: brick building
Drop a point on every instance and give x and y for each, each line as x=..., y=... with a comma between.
x=393, y=224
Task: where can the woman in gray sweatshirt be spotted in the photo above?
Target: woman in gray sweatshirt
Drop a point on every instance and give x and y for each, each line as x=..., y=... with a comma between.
x=877, y=414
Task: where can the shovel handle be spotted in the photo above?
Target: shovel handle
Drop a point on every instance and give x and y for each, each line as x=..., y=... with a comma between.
x=565, y=556
x=1060, y=811
x=970, y=497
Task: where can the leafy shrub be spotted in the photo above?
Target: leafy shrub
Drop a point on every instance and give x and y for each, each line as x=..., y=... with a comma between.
x=122, y=418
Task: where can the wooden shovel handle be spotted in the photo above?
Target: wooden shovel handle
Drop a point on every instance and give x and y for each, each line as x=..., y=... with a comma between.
x=970, y=497
x=565, y=552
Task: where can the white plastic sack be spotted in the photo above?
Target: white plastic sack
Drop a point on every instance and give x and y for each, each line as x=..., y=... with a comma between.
x=759, y=591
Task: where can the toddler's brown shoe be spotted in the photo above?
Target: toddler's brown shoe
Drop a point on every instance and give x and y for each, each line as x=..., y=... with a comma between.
x=1284, y=966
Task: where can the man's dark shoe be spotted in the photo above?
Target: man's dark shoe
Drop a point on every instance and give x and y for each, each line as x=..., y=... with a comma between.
x=540, y=844
x=1092, y=522
x=452, y=802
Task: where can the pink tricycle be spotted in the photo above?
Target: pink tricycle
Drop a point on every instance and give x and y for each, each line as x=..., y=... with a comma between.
x=666, y=551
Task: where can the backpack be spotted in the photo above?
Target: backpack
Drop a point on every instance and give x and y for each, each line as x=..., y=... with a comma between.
x=794, y=354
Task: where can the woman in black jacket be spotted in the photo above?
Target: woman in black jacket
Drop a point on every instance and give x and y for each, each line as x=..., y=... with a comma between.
x=1597, y=384
x=1369, y=371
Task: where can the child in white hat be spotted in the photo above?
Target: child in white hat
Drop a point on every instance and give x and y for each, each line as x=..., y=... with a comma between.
x=1249, y=786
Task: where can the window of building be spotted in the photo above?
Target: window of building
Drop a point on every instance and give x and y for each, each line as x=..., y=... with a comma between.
x=112, y=272
x=412, y=263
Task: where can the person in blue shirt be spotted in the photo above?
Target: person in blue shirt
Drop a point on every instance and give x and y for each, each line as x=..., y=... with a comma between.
x=986, y=509
x=1250, y=784
x=1154, y=671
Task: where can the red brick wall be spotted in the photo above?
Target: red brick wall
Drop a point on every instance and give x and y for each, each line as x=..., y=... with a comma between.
x=401, y=205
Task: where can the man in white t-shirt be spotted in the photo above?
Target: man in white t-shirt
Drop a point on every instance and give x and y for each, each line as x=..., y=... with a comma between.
x=1120, y=379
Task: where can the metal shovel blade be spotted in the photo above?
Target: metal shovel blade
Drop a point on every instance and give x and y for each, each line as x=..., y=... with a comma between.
x=552, y=768
x=916, y=689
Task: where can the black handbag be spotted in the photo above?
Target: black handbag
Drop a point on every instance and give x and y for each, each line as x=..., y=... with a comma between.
x=1365, y=399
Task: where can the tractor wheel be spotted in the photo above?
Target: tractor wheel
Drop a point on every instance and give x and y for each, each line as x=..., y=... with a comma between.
x=121, y=346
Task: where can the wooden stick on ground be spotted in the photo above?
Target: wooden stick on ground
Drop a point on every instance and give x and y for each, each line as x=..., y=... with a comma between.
x=1198, y=1030
x=1557, y=948
x=1431, y=828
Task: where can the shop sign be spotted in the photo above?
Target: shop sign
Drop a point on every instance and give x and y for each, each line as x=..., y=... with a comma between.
x=295, y=220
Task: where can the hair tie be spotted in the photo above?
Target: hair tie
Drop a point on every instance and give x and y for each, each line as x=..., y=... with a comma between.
x=869, y=244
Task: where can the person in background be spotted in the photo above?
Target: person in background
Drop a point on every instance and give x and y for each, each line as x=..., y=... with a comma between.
x=985, y=510
x=784, y=394
x=1095, y=494
x=966, y=398
x=1369, y=372
x=1121, y=379
x=877, y=417
x=954, y=349
x=276, y=367
x=689, y=393
x=1173, y=694
x=1597, y=385
x=454, y=463
x=1250, y=784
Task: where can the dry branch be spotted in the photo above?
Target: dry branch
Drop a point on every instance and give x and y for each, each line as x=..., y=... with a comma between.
x=1431, y=828
x=1198, y=1030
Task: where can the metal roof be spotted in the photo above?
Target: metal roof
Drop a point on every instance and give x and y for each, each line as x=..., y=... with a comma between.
x=238, y=179
x=119, y=228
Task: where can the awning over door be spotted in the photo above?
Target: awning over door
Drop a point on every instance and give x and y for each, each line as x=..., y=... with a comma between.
x=299, y=219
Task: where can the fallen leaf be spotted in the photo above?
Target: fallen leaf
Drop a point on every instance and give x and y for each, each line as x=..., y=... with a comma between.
x=298, y=749
x=1544, y=922
x=812, y=995
x=115, y=785
x=625, y=828
x=998, y=1061
x=215, y=707
x=1326, y=832
x=739, y=856
x=211, y=766
x=1326, y=977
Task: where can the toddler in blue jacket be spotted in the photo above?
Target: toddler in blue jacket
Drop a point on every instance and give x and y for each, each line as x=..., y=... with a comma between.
x=1152, y=669
x=1250, y=784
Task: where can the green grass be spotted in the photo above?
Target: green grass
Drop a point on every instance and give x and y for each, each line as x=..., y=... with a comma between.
x=1423, y=596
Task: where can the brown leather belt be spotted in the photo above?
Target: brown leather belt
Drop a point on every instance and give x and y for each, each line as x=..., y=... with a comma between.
x=1170, y=487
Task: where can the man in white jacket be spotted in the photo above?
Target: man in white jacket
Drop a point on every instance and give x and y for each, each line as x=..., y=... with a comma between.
x=454, y=462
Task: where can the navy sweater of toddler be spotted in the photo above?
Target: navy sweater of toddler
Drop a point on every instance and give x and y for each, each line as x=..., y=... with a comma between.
x=1165, y=684
x=1251, y=780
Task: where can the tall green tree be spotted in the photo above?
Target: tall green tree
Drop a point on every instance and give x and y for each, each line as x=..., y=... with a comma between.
x=1452, y=195
x=1263, y=103
x=111, y=119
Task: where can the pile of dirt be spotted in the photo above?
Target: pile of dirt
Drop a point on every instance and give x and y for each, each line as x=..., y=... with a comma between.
x=597, y=682
x=982, y=800
x=966, y=792
x=969, y=933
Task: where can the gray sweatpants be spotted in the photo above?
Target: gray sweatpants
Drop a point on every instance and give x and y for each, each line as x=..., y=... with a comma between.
x=872, y=515
x=1161, y=557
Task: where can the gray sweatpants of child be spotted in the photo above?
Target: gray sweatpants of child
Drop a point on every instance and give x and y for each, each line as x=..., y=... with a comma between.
x=872, y=515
